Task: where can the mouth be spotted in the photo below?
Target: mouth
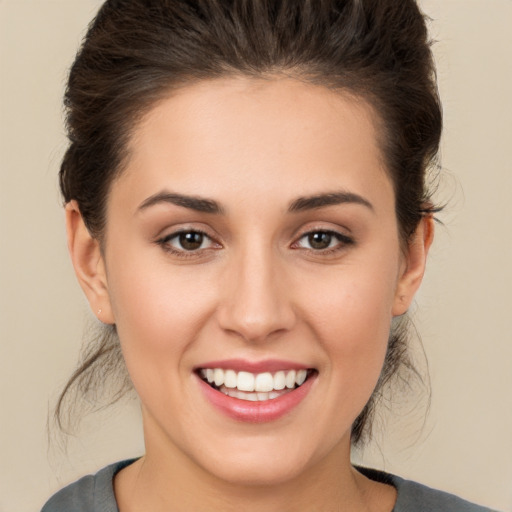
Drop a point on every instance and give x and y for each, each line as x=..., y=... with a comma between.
x=255, y=387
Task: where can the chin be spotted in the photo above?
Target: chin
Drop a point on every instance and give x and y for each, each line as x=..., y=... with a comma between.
x=258, y=463
x=256, y=471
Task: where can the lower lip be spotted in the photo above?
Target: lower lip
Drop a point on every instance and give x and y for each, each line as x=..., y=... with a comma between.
x=256, y=412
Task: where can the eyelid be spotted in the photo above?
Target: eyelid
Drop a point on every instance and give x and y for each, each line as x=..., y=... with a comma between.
x=344, y=240
x=329, y=227
x=164, y=242
x=170, y=230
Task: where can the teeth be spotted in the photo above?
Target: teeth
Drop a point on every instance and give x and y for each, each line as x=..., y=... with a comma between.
x=245, y=381
x=264, y=382
x=253, y=397
x=218, y=377
x=261, y=386
x=230, y=379
x=301, y=377
x=279, y=380
x=290, y=379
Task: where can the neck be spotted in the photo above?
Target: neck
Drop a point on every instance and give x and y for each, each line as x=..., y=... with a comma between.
x=167, y=480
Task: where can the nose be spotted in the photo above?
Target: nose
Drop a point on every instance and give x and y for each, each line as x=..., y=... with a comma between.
x=256, y=303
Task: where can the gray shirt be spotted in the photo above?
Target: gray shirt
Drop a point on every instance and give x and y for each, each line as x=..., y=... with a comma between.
x=95, y=493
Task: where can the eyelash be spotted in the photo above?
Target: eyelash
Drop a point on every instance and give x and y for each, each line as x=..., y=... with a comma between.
x=164, y=242
x=342, y=239
x=343, y=242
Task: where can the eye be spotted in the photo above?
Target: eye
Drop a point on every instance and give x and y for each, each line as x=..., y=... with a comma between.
x=186, y=241
x=323, y=240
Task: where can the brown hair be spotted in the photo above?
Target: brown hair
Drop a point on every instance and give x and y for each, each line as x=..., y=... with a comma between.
x=137, y=51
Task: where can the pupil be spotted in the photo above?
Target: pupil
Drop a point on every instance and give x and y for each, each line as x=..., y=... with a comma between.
x=320, y=240
x=191, y=241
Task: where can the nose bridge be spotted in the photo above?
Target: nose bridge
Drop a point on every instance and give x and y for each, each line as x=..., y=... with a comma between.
x=256, y=302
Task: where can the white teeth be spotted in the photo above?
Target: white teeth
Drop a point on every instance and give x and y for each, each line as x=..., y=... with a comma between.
x=264, y=382
x=253, y=397
x=279, y=380
x=218, y=377
x=245, y=381
x=261, y=386
x=301, y=377
x=290, y=379
x=230, y=379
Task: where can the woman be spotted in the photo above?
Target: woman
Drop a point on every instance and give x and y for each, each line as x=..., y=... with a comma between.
x=246, y=209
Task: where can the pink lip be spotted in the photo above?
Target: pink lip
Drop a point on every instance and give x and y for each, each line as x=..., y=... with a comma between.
x=241, y=365
x=256, y=412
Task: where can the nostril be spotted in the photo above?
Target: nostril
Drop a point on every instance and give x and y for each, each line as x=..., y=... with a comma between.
x=256, y=309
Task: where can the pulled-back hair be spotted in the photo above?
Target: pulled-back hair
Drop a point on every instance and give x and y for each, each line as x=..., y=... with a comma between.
x=136, y=52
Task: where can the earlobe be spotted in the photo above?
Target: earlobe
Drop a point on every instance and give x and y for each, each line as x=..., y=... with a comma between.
x=414, y=265
x=88, y=263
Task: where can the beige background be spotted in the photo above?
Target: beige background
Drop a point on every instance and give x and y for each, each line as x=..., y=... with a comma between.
x=464, y=307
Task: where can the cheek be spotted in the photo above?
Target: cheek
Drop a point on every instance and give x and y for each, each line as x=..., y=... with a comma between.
x=352, y=302
x=158, y=317
x=158, y=311
x=355, y=333
x=351, y=318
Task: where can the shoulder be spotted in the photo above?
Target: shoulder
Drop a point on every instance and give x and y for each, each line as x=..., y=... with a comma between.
x=415, y=497
x=412, y=495
x=92, y=493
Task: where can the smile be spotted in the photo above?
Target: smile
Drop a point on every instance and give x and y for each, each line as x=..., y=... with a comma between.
x=254, y=387
x=255, y=391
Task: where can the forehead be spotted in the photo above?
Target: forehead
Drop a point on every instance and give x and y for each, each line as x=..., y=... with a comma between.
x=241, y=135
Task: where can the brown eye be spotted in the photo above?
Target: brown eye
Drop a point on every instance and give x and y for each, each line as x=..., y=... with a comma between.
x=324, y=241
x=183, y=242
x=191, y=240
x=320, y=240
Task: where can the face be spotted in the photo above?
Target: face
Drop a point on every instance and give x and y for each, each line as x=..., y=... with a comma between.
x=252, y=266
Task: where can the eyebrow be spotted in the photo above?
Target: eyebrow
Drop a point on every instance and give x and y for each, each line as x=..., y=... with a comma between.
x=328, y=199
x=199, y=204
x=300, y=204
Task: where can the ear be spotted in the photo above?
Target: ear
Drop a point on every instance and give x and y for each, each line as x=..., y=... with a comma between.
x=413, y=266
x=88, y=263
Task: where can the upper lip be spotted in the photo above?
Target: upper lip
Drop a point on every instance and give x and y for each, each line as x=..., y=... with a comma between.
x=243, y=365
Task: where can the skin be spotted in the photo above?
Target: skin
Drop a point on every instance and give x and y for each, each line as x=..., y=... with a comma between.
x=255, y=289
